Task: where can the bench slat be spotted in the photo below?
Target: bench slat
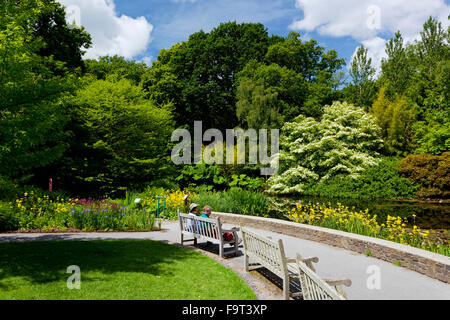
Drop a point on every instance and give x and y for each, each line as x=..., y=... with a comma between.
x=313, y=287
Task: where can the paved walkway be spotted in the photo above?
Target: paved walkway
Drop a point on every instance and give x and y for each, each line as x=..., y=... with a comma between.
x=334, y=263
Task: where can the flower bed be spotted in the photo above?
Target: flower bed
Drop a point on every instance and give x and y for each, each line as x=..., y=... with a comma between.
x=394, y=228
x=34, y=212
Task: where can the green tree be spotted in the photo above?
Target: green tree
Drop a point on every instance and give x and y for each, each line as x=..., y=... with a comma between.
x=268, y=95
x=65, y=43
x=395, y=118
x=362, y=74
x=104, y=66
x=33, y=110
x=396, y=69
x=317, y=67
x=198, y=75
x=430, y=88
x=122, y=140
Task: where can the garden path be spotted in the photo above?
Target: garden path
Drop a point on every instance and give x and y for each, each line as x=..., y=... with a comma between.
x=334, y=263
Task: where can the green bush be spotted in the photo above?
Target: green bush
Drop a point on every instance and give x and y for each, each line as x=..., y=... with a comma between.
x=430, y=171
x=234, y=200
x=7, y=220
x=202, y=174
x=379, y=181
x=8, y=188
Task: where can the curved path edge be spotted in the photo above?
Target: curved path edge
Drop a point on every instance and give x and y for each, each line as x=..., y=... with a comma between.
x=431, y=264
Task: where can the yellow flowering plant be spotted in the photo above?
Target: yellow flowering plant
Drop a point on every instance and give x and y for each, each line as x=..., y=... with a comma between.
x=361, y=222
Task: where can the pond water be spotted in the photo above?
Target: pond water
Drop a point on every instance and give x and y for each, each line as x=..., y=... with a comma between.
x=429, y=215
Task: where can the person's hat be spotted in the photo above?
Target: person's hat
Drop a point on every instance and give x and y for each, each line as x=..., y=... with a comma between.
x=192, y=206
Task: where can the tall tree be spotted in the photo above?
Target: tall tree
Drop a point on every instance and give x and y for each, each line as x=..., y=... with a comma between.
x=395, y=118
x=362, y=74
x=33, y=107
x=32, y=113
x=121, y=139
x=198, y=75
x=317, y=67
x=396, y=69
x=268, y=95
x=65, y=43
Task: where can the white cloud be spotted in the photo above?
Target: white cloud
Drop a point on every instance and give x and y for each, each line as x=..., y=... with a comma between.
x=111, y=34
x=369, y=21
x=375, y=51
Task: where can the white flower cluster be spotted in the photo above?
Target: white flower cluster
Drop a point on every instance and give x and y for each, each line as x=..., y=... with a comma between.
x=345, y=141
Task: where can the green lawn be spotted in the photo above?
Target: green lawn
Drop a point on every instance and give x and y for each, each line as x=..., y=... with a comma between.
x=135, y=269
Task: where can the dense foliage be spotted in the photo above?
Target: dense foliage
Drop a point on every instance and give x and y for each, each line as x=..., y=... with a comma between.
x=345, y=219
x=33, y=212
x=345, y=141
x=431, y=172
x=120, y=137
x=382, y=181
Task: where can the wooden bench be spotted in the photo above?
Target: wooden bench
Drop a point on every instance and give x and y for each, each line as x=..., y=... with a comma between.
x=271, y=255
x=315, y=288
x=207, y=229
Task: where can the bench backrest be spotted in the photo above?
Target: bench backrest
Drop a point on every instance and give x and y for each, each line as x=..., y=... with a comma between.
x=264, y=251
x=205, y=227
x=313, y=287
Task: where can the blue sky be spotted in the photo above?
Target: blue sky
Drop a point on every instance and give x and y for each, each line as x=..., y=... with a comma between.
x=174, y=21
x=139, y=29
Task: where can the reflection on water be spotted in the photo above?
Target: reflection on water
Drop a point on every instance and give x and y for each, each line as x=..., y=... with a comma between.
x=428, y=215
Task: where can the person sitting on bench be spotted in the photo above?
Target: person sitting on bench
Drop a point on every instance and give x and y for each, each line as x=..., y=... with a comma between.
x=206, y=214
x=191, y=225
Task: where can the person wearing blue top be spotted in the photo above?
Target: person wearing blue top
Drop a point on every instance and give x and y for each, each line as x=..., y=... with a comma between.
x=206, y=214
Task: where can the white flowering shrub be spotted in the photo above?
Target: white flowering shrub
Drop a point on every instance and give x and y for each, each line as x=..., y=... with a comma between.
x=344, y=142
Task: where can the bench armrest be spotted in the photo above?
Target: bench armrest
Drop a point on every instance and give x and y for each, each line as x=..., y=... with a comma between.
x=230, y=230
x=345, y=282
x=306, y=260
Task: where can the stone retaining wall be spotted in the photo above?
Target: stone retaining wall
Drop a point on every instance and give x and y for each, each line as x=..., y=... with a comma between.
x=431, y=264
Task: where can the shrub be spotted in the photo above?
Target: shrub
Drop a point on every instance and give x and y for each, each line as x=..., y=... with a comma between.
x=236, y=201
x=380, y=181
x=344, y=142
x=8, y=188
x=7, y=220
x=431, y=172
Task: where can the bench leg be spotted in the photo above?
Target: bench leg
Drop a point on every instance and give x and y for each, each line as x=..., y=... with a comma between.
x=182, y=240
x=236, y=250
x=247, y=269
x=221, y=249
x=286, y=288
